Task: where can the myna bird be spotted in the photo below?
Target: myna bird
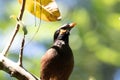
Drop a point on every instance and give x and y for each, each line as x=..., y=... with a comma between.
x=58, y=61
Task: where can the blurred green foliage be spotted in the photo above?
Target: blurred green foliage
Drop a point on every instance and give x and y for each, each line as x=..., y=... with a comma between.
x=95, y=40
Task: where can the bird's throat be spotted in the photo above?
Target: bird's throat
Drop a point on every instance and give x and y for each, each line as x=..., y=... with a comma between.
x=59, y=43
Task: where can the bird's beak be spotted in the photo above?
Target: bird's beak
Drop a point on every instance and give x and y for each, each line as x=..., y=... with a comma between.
x=72, y=25
x=69, y=27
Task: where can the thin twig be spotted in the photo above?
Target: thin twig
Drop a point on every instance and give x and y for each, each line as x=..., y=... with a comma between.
x=6, y=49
x=21, y=52
x=9, y=66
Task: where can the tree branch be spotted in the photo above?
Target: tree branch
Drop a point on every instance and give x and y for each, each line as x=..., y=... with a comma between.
x=6, y=49
x=15, y=70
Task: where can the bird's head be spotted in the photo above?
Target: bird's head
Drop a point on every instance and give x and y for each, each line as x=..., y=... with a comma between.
x=63, y=32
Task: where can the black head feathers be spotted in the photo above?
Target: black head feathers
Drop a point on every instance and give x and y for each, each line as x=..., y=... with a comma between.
x=63, y=32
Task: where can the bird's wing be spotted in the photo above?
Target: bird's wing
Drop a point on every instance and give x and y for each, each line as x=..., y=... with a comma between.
x=49, y=56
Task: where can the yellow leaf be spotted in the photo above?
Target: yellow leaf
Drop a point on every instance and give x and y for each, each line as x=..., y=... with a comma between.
x=44, y=9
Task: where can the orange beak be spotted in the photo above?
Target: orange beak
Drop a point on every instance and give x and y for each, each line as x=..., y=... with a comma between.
x=72, y=25
x=69, y=27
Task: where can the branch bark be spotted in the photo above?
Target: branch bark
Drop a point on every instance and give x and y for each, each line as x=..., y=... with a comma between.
x=15, y=70
x=7, y=65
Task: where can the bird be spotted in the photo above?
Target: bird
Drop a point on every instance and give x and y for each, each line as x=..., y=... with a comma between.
x=58, y=61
